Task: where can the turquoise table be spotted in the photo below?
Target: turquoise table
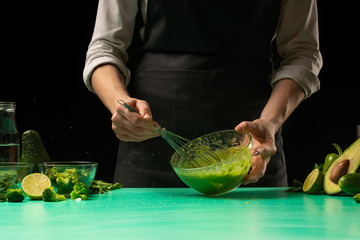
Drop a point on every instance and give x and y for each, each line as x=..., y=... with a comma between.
x=173, y=213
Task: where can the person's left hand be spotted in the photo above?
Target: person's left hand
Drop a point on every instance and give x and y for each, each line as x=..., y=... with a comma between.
x=263, y=136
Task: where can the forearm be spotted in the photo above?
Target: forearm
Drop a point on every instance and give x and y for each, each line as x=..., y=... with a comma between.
x=109, y=85
x=284, y=99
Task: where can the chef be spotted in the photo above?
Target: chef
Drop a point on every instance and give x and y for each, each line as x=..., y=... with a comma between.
x=205, y=66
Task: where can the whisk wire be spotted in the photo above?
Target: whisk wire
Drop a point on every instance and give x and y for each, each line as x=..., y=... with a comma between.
x=177, y=142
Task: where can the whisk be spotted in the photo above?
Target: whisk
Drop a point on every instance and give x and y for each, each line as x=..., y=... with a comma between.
x=178, y=144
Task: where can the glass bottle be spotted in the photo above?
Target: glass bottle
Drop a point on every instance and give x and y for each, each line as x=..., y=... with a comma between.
x=9, y=135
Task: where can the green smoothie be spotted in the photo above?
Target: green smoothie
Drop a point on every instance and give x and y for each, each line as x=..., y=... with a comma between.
x=221, y=177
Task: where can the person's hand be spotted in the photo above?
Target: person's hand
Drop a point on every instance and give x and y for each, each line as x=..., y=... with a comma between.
x=263, y=135
x=134, y=126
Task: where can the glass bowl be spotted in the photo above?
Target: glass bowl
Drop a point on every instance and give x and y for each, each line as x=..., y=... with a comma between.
x=65, y=174
x=200, y=170
x=12, y=173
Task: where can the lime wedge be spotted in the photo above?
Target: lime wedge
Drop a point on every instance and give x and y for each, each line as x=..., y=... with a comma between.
x=34, y=184
x=314, y=182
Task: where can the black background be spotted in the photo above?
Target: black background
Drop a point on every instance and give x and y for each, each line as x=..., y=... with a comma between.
x=43, y=52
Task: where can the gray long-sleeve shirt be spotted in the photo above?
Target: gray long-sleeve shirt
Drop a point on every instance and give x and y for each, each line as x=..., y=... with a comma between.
x=296, y=37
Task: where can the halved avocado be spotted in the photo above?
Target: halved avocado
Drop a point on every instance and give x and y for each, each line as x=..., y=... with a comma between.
x=352, y=153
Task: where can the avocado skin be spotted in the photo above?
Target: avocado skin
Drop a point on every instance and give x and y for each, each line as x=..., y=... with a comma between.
x=33, y=149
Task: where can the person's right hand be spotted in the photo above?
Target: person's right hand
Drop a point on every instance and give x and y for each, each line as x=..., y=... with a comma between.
x=132, y=126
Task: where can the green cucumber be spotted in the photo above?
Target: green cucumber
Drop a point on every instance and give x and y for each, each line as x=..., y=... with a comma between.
x=350, y=183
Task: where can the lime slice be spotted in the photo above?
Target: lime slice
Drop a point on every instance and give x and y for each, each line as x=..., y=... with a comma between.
x=314, y=182
x=34, y=184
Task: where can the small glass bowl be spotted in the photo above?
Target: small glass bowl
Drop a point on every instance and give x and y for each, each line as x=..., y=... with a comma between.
x=65, y=174
x=12, y=173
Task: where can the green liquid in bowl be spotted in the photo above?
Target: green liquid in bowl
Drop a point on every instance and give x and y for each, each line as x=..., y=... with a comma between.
x=216, y=178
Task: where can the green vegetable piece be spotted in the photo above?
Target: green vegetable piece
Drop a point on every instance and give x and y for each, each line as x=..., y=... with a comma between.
x=65, y=181
x=49, y=195
x=51, y=173
x=81, y=190
x=338, y=148
x=116, y=186
x=2, y=197
x=331, y=157
x=33, y=149
x=357, y=198
x=296, y=186
x=7, y=181
x=350, y=183
x=100, y=186
x=320, y=167
x=297, y=183
x=14, y=195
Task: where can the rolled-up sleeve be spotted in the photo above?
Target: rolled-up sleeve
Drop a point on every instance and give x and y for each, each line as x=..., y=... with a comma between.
x=113, y=31
x=298, y=45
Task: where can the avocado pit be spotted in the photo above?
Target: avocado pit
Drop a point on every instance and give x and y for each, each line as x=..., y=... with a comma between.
x=339, y=170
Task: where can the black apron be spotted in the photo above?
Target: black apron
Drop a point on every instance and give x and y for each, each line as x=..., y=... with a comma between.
x=205, y=68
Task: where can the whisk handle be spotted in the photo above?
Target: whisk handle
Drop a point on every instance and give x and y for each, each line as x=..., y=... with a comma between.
x=121, y=102
x=161, y=131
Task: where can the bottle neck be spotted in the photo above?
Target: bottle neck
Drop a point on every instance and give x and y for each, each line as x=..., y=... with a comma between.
x=8, y=106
